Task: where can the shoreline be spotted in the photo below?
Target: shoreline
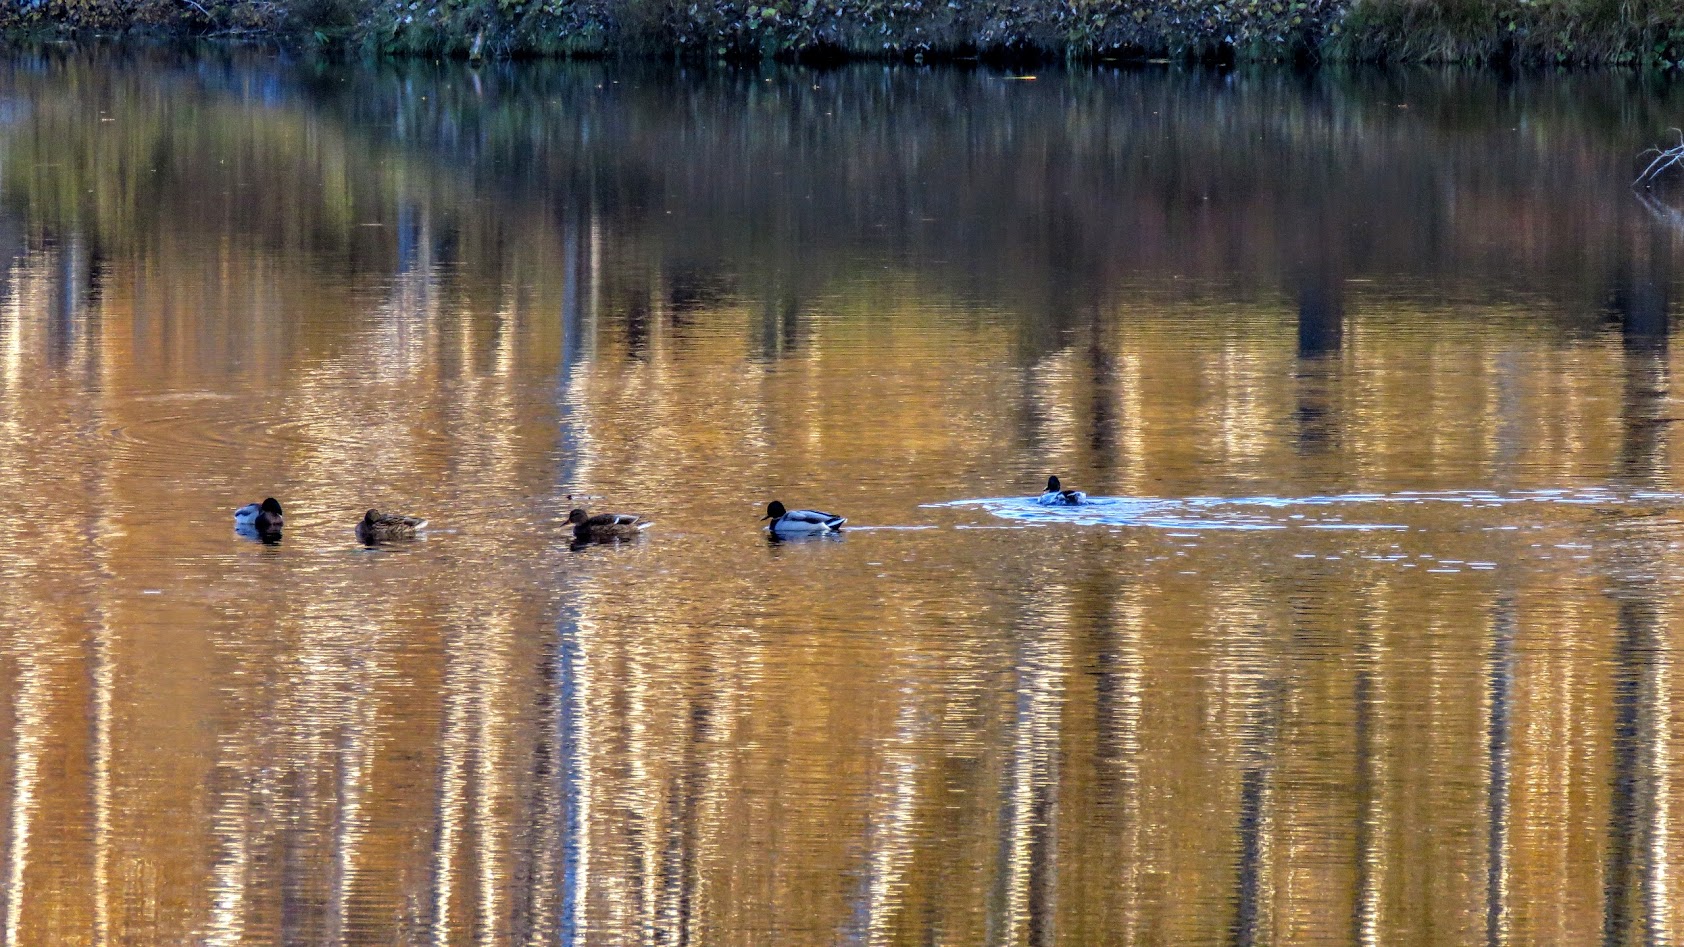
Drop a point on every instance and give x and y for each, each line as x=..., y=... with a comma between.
x=1490, y=33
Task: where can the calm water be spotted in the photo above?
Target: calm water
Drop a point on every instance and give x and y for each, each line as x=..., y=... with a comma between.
x=1371, y=636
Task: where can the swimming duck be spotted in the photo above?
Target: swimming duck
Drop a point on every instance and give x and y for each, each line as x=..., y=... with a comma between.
x=264, y=517
x=800, y=521
x=606, y=525
x=376, y=526
x=1058, y=496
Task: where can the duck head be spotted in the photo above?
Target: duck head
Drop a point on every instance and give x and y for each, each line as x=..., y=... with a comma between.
x=774, y=510
x=370, y=517
x=576, y=516
x=1052, y=484
x=271, y=506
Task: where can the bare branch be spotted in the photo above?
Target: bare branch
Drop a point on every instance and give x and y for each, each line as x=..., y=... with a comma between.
x=1663, y=160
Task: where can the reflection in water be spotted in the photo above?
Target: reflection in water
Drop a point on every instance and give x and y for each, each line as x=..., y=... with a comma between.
x=1369, y=632
x=1321, y=329
x=1368, y=838
x=1028, y=843
x=1499, y=750
x=1638, y=904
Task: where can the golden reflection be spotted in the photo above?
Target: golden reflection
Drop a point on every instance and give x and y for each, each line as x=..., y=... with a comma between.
x=894, y=822
x=1031, y=793
x=1439, y=711
x=1373, y=742
x=27, y=745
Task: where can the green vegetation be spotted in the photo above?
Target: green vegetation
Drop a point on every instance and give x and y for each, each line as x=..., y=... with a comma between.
x=1648, y=33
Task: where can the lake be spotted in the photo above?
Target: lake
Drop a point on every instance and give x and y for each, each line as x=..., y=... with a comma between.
x=1367, y=635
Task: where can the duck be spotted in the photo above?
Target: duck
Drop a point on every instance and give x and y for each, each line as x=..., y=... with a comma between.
x=376, y=526
x=801, y=521
x=264, y=517
x=1056, y=495
x=606, y=525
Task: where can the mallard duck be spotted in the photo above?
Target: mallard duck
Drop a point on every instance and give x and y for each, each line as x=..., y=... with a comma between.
x=264, y=517
x=376, y=526
x=606, y=525
x=1058, y=496
x=800, y=521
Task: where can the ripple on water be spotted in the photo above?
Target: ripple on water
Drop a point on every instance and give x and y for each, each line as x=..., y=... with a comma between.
x=1379, y=511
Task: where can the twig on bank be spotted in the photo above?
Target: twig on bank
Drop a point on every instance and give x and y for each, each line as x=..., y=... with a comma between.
x=195, y=5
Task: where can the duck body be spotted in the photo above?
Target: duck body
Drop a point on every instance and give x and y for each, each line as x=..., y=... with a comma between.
x=376, y=526
x=789, y=521
x=264, y=517
x=606, y=525
x=1056, y=495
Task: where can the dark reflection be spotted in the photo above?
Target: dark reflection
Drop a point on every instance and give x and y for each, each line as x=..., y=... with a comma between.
x=1321, y=315
x=13, y=246
x=1047, y=198
x=1499, y=750
x=1321, y=333
x=781, y=324
x=580, y=544
x=1115, y=726
x=1104, y=419
x=1642, y=308
x=1255, y=822
x=695, y=290
x=74, y=291
x=1630, y=893
x=776, y=539
x=1252, y=826
x=636, y=315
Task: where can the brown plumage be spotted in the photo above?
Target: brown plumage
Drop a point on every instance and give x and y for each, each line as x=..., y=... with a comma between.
x=376, y=526
x=606, y=525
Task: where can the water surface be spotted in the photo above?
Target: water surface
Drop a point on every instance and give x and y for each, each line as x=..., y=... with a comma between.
x=1368, y=637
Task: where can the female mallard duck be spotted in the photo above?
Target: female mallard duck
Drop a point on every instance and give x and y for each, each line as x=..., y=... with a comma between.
x=1058, y=496
x=264, y=517
x=800, y=521
x=376, y=526
x=606, y=525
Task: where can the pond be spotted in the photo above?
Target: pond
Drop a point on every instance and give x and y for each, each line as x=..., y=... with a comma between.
x=1367, y=633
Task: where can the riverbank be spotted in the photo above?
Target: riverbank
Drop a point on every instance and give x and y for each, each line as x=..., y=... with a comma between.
x=1641, y=33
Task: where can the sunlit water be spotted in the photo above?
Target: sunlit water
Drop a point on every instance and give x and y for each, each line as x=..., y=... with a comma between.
x=1368, y=634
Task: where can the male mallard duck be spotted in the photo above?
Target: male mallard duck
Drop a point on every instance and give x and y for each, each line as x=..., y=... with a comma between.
x=606, y=525
x=264, y=517
x=800, y=521
x=1058, y=496
x=376, y=526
